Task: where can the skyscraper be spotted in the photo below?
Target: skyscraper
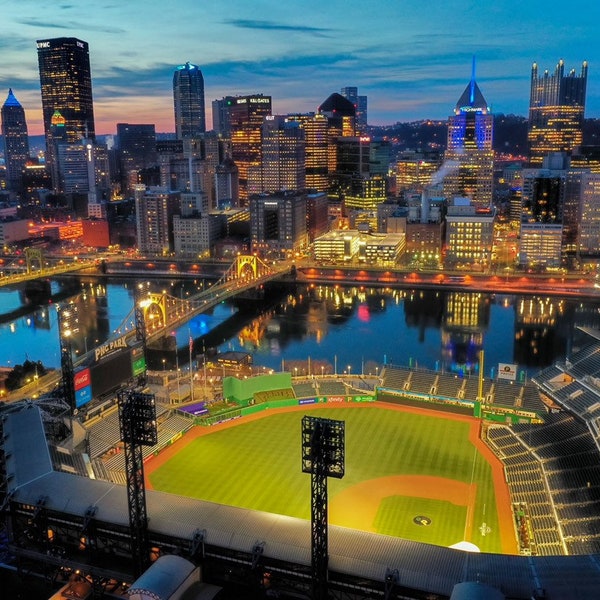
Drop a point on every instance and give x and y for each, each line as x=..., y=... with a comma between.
x=556, y=110
x=360, y=104
x=188, y=101
x=246, y=114
x=16, y=142
x=283, y=161
x=136, y=151
x=469, y=156
x=315, y=128
x=66, y=85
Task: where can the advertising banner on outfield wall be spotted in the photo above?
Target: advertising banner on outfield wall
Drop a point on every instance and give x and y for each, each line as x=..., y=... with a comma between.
x=507, y=371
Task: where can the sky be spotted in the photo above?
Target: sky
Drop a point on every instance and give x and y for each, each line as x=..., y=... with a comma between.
x=411, y=58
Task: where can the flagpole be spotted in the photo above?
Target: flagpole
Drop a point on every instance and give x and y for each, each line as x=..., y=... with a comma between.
x=204, y=363
x=191, y=347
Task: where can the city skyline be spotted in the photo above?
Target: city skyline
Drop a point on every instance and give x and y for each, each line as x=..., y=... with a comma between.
x=412, y=64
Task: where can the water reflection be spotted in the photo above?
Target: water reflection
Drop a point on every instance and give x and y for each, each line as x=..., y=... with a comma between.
x=352, y=326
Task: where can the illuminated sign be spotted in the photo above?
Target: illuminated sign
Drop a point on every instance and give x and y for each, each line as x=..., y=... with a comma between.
x=43, y=45
x=307, y=401
x=260, y=100
x=331, y=399
x=83, y=396
x=82, y=379
x=80, y=45
x=138, y=366
x=110, y=347
x=507, y=371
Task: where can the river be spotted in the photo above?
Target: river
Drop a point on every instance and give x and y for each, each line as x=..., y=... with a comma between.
x=322, y=328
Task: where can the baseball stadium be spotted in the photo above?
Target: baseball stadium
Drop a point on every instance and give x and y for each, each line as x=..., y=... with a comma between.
x=452, y=487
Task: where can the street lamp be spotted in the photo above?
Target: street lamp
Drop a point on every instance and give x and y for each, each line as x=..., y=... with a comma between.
x=164, y=360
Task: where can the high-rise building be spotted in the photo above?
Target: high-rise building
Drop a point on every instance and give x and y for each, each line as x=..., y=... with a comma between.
x=360, y=104
x=414, y=170
x=589, y=234
x=246, y=115
x=469, y=155
x=220, y=115
x=16, y=142
x=226, y=185
x=341, y=123
x=155, y=209
x=283, y=160
x=66, y=85
x=556, y=110
x=136, y=151
x=278, y=223
x=315, y=128
x=188, y=100
x=469, y=235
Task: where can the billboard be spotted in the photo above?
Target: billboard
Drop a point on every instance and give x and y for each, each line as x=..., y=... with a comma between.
x=82, y=383
x=507, y=371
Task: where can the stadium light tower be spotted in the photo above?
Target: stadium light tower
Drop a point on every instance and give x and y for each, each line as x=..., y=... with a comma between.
x=137, y=418
x=322, y=457
x=68, y=324
x=141, y=333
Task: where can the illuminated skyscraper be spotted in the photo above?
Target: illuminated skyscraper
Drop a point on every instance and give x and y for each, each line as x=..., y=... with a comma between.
x=188, y=100
x=283, y=165
x=469, y=156
x=341, y=123
x=556, y=110
x=246, y=115
x=16, y=142
x=66, y=85
x=315, y=135
x=360, y=104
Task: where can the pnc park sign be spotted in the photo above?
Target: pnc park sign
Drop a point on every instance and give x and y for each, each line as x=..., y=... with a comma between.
x=110, y=348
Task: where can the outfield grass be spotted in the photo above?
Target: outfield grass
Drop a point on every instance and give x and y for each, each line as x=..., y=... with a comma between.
x=257, y=465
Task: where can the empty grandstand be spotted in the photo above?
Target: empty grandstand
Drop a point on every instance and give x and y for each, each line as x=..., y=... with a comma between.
x=67, y=508
x=500, y=400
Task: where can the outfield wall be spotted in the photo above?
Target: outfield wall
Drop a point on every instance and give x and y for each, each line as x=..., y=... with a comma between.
x=416, y=400
x=488, y=412
x=240, y=390
x=250, y=409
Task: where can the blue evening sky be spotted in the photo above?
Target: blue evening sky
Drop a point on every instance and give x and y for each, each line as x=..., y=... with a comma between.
x=412, y=59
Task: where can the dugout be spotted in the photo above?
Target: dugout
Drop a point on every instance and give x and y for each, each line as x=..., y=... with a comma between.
x=243, y=390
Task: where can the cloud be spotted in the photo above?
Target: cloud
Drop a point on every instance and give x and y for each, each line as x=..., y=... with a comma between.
x=271, y=26
x=72, y=25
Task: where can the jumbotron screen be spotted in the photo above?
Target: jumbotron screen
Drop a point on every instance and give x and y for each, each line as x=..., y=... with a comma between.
x=110, y=372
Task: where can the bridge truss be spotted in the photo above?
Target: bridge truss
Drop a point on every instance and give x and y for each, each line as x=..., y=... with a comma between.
x=162, y=312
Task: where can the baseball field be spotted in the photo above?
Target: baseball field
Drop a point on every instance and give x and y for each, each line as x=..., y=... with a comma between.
x=411, y=473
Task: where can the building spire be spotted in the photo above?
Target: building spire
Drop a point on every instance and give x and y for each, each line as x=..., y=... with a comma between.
x=11, y=100
x=473, y=84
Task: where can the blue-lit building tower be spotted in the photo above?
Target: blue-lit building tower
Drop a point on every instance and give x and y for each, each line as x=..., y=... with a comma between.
x=469, y=155
x=16, y=141
x=188, y=101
